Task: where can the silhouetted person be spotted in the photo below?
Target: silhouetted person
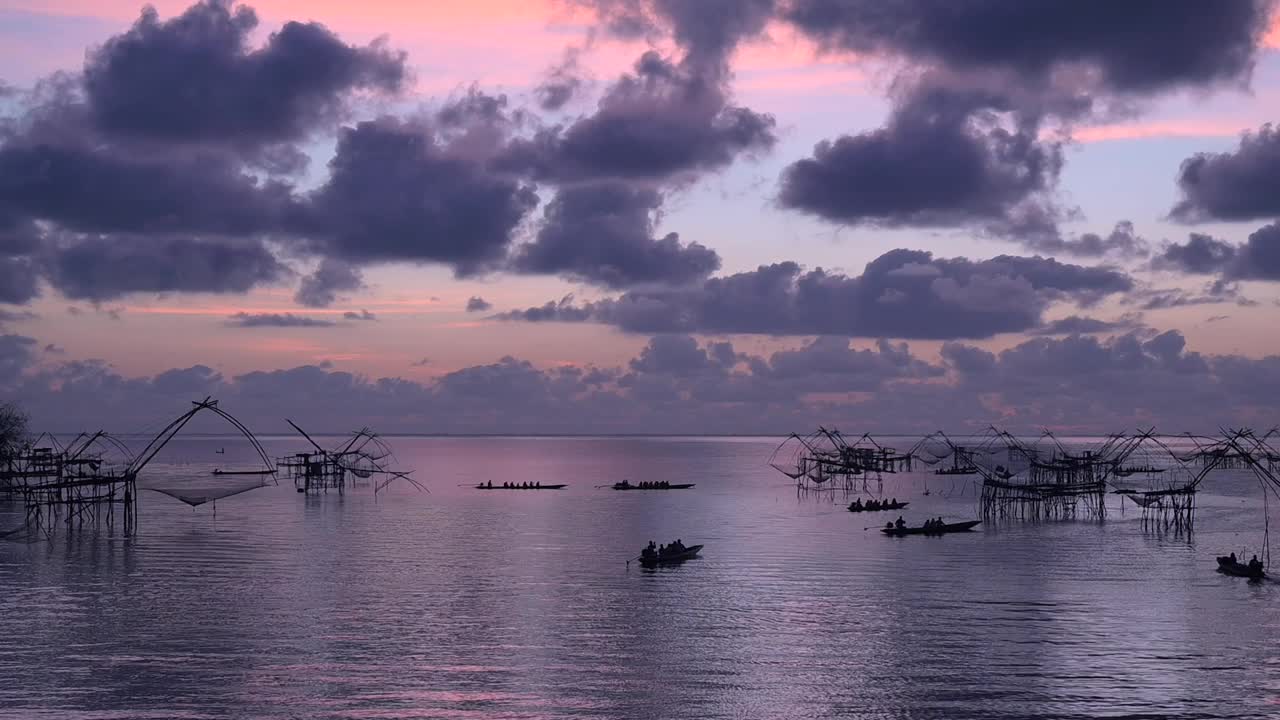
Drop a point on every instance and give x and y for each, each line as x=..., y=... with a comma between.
x=900, y=523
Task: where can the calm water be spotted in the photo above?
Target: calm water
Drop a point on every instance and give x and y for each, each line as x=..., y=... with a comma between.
x=467, y=604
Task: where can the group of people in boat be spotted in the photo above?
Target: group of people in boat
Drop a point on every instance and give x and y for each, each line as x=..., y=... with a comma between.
x=654, y=485
x=930, y=524
x=873, y=505
x=1254, y=564
x=653, y=551
x=518, y=486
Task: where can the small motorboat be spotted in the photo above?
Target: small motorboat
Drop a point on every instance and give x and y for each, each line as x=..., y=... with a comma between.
x=878, y=508
x=624, y=485
x=669, y=558
x=1227, y=566
x=939, y=530
x=486, y=486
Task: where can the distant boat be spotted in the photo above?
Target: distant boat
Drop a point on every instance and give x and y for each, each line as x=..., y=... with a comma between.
x=624, y=485
x=886, y=506
x=1144, y=469
x=940, y=530
x=220, y=471
x=484, y=486
x=670, y=558
x=1227, y=566
x=956, y=471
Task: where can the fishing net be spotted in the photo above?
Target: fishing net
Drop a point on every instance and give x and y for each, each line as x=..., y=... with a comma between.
x=195, y=495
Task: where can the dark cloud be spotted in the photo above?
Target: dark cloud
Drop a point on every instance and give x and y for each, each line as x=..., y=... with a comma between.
x=1121, y=242
x=478, y=304
x=195, y=78
x=1214, y=293
x=99, y=268
x=10, y=316
x=1080, y=325
x=982, y=82
x=901, y=294
x=944, y=158
x=829, y=364
x=562, y=83
x=109, y=188
x=19, y=280
x=664, y=121
x=396, y=192
x=1082, y=380
x=320, y=288
x=673, y=354
x=1180, y=43
x=677, y=385
x=275, y=320
x=476, y=111
x=1201, y=254
x=17, y=353
x=363, y=316
x=602, y=233
x=708, y=30
x=562, y=310
x=1258, y=258
x=1239, y=185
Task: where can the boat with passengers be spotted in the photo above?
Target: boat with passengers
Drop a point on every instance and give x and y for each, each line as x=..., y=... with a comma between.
x=900, y=529
x=654, y=555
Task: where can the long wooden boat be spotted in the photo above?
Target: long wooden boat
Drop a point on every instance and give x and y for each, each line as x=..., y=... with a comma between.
x=1143, y=470
x=1228, y=566
x=669, y=558
x=940, y=530
x=220, y=471
x=483, y=486
x=956, y=471
x=882, y=508
x=669, y=486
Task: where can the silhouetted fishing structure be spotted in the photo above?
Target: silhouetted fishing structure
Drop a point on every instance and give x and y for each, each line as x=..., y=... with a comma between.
x=1242, y=448
x=1042, y=477
x=94, y=478
x=361, y=457
x=936, y=448
x=84, y=481
x=826, y=460
x=194, y=495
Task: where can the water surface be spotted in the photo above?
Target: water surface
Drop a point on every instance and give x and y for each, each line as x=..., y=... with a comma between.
x=468, y=604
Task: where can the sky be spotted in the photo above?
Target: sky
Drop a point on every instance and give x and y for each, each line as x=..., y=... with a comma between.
x=692, y=216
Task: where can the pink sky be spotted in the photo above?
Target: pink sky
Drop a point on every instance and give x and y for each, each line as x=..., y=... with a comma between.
x=506, y=45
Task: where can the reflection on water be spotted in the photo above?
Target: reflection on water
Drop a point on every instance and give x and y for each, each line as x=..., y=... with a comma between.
x=474, y=604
